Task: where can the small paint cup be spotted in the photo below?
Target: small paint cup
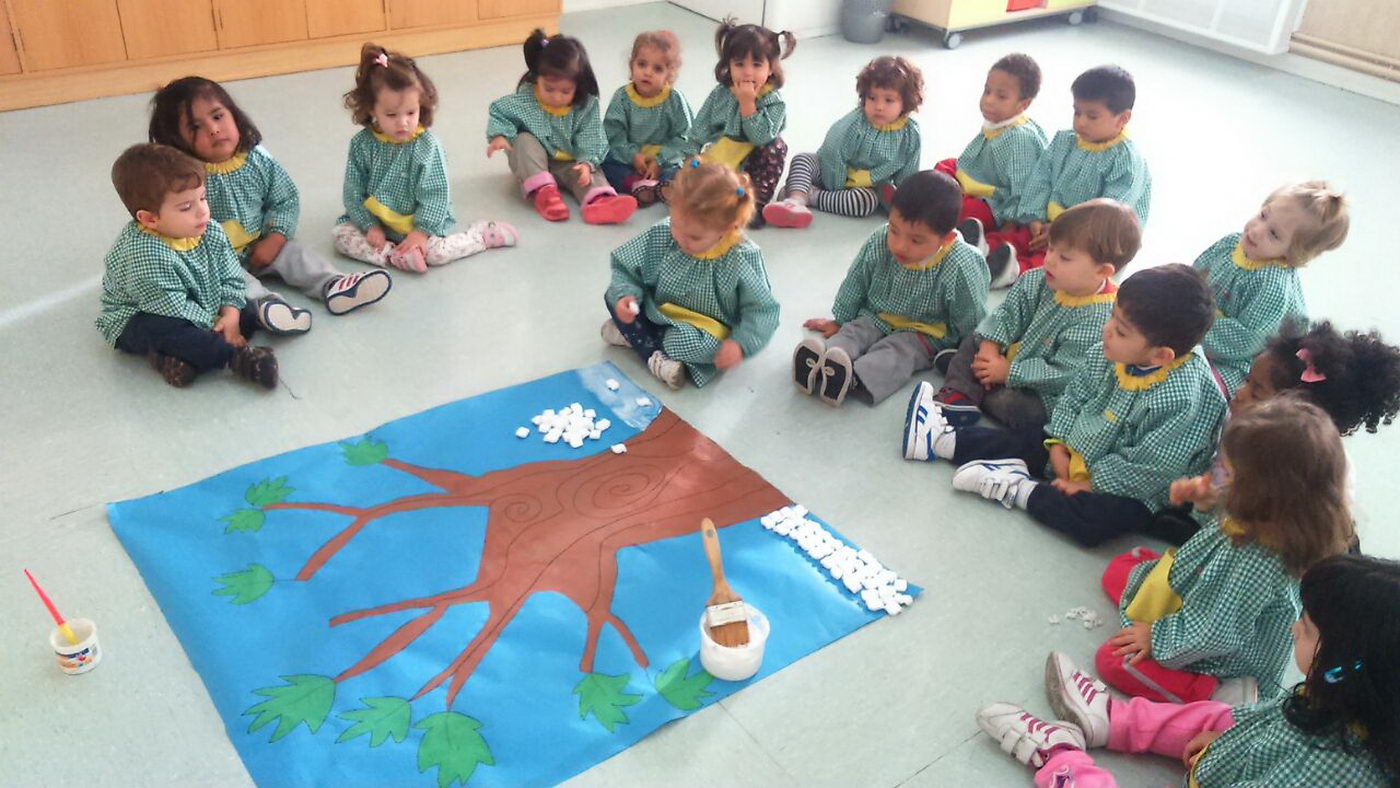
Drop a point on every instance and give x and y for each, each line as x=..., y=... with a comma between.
x=81, y=657
x=740, y=662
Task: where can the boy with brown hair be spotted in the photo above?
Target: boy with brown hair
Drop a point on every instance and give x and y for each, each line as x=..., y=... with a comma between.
x=1024, y=354
x=174, y=290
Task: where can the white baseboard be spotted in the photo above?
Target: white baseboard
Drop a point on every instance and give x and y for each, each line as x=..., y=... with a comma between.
x=1298, y=65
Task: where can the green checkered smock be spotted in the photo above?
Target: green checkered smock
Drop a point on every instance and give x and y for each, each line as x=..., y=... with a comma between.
x=731, y=288
x=408, y=177
x=663, y=120
x=1238, y=605
x=1003, y=159
x=1253, y=299
x=719, y=117
x=890, y=153
x=1263, y=748
x=251, y=195
x=145, y=273
x=1051, y=333
x=1071, y=172
x=1139, y=434
x=577, y=133
x=951, y=293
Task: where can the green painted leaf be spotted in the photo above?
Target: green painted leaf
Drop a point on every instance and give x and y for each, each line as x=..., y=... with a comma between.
x=602, y=696
x=381, y=718
x=450, y=742
x=268, y=491
x=246, y=520
x=303, y=699
x=686, y=693
x=245, y=586
x=366, y=452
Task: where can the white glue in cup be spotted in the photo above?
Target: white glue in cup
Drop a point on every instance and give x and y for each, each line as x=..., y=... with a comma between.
x=81, y=657
x=738, y=663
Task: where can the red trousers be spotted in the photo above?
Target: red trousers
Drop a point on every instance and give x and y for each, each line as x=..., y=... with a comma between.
x=1147, y=678
x=977, y=208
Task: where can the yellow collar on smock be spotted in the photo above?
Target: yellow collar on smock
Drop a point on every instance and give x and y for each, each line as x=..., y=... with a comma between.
x=382, y=137
x=643, y=101
x=1106, y=294
x=1130, y=382
x=894, y=126
x=993, y=133
x=1100, y=147
x=557, y=112
x=722, y=248
x=937, y=258
x=231, y=164
x=178, y=244
x=1239, y=258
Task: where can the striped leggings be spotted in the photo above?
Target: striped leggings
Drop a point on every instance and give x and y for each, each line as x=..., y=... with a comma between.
x=805, y=176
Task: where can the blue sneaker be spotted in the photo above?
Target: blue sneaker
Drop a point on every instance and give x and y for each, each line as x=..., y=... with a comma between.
x=923, y=423
x=995, y=480
x=957, y=408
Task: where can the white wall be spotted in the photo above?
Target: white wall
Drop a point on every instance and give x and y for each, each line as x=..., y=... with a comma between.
x=805, y=18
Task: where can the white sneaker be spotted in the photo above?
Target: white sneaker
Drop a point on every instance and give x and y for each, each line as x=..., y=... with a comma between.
x=280, y=317
x=973, y=233
x=1077, y=697
x=613, y=335
x=666, y=369
x=1024, y=736
x=1005, y=269
x=923, y=423
x=995, y=480
x=353, y=291
x=1237, y=691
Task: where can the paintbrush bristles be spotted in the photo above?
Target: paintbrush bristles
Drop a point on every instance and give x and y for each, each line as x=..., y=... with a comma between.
x=726, y=616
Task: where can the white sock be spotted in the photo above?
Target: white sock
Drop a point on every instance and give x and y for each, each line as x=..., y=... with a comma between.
x=1023, y=493
x=797, y=198
x=945, y=444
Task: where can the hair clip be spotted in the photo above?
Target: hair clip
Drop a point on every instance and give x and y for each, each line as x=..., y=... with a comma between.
x=739, y=191
x=544, y=42
x=383, y=59
x=1310, y=373
x=695, y=162
x=1335, y=675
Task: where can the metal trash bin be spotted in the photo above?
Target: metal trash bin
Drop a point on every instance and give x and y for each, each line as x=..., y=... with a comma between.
x=863, y=21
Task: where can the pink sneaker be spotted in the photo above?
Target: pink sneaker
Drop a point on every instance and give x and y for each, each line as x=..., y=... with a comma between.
x=1078, y=697
x=610, y=209
x=1024, y=736
x=412, y=261
x=787, y=213
x=497, y=234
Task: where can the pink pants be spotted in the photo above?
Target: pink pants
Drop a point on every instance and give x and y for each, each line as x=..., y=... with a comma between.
x=1137, y=726
x=1147, y=678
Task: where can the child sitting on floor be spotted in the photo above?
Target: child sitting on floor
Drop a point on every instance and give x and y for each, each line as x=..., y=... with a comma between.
x=1338, y=727
x=1094, y=159
x=1254, y=274
x=914, y=290
x=552, y=133
x=690, y=295
x=1144, y=411
x=867, y=153
x=256, y=203
x=994, y=168
x=173, y=290
x=739, y=123
x=398, y=204
x=1024, y=354
x=647, y=119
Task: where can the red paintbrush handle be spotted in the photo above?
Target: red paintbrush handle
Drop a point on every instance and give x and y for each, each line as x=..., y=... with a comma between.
x=48, y=603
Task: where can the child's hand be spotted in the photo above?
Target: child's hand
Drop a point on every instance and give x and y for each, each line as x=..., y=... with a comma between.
x=729, y=355
x=747, y=95
x=640, y=164
x=266, y=250
x=1196, y=490
x=585, y=173
x=1135, y=640
x=1059, y=461
x=827, y=328
x=376, y=237
x=653, y=171
x=1039, y=235
x=991, y=370
x=627, y=309
x=1072, y=488
x=1197, y=745
x=227, y=326
x=414, y=240
x=498, y=143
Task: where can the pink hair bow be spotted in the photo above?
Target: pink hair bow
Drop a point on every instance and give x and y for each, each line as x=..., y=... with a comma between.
x=1310, y=373
x=383, y=59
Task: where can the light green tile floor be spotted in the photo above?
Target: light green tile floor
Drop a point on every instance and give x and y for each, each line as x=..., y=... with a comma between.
x=889, y=705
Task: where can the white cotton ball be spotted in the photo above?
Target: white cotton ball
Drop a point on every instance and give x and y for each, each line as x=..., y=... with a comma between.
x=522, y=432
x=613, y=385
x=619, y=448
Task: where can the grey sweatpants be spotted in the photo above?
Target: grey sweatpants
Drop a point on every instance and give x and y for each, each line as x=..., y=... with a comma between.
x=528, y=160
x=883, y=364
x=297, y=266
x=1016, y=408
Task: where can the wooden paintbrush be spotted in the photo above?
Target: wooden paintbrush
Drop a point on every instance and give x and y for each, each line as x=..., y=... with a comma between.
x=726, y=615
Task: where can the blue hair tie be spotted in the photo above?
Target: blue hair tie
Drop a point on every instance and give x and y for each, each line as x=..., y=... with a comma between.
x=694, y=163
x=740, y=191
x=1335, y=675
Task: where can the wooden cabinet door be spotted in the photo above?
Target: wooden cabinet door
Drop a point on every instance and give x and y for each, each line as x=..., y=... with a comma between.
x=9, y=56
x=167, y=27
x=67, y=33
x=326, y=18
x=494, y=9
x=244, y=23
x=423, y=13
